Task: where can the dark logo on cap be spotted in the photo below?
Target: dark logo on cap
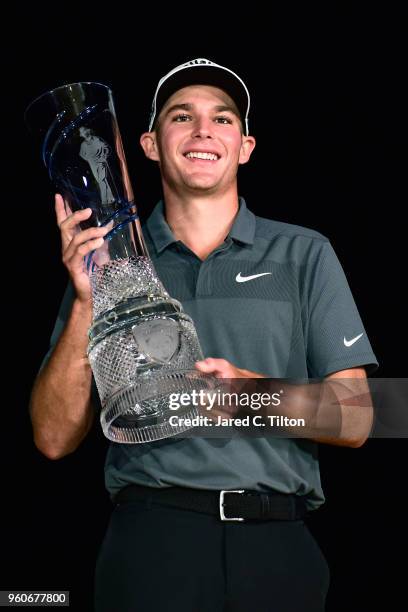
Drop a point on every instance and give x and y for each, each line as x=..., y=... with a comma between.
x=198, y=61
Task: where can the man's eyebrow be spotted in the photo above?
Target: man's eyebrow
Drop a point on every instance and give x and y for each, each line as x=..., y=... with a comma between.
x=224, y=108
x=221, y=108
x=178, y=107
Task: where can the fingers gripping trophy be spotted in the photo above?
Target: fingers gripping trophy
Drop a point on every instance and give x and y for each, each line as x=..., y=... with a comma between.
x=142, y=345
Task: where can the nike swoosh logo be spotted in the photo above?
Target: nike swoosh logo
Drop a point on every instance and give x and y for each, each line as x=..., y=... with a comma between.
x=352, y=341
x=244, y=279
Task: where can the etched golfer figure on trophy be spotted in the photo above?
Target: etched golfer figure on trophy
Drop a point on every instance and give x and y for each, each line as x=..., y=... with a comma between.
x=142, y=345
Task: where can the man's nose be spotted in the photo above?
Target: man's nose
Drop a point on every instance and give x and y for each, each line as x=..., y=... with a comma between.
x=202, y=128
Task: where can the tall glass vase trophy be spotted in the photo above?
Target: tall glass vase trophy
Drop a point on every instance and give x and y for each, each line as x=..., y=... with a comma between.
x=142, y=345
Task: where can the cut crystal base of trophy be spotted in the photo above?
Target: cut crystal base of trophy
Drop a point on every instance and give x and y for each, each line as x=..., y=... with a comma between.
x=142, y=349
x=148, y=419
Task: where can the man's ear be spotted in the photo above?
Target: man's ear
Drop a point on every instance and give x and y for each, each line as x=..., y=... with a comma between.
x=149, y=145
x=247, y=146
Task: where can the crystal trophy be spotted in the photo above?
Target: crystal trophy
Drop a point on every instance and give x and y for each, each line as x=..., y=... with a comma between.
x=142, y=345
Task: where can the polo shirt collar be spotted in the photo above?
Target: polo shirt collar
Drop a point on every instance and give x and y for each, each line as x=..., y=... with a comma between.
x=159, y=230
x=242, y=230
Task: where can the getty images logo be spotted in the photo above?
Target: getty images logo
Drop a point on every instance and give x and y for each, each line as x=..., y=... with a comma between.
x=218, y=398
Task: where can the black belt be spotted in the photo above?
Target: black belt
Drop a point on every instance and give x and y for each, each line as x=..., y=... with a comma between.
x=236, y=505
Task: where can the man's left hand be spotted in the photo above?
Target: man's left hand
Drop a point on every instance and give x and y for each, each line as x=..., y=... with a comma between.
x=221, y=368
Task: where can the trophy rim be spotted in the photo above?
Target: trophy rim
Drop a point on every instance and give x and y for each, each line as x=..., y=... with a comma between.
x=55, y=89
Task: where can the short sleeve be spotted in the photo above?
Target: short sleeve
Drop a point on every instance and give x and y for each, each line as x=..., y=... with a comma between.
x=336, y=338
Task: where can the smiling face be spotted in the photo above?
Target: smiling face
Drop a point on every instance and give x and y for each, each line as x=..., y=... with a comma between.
x=199, y=142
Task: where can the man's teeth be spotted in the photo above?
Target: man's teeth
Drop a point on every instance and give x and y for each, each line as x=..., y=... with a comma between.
x=200, y=155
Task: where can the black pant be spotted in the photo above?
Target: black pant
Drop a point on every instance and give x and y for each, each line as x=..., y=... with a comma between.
x=158, y=559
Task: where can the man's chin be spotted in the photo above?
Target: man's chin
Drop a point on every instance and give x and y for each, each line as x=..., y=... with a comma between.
x=202, y=186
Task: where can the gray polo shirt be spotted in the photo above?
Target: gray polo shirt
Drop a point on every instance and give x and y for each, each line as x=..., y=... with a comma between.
x=295, y=318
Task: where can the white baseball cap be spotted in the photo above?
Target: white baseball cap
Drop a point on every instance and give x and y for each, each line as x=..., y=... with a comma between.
x=202, y=71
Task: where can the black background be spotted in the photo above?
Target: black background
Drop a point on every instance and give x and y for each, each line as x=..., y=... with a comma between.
x=329, y=111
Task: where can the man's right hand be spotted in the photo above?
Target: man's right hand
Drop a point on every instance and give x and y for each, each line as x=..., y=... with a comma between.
x=76, y=244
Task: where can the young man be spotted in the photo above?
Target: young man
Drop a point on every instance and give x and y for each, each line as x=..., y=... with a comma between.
x=268, y=299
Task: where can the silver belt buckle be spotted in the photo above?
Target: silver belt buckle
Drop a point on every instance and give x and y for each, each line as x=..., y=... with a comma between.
x=222, y=515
